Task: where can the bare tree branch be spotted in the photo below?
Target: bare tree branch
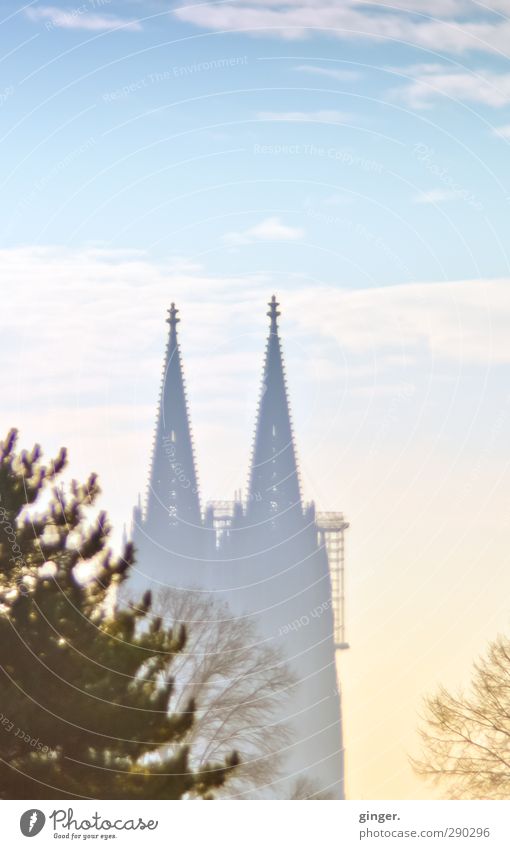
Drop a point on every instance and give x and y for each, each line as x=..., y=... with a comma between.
x=237, y=683
x=466, y=737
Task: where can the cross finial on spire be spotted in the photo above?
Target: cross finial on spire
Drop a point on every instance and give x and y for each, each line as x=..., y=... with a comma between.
x=172, y=316
x=274, y=313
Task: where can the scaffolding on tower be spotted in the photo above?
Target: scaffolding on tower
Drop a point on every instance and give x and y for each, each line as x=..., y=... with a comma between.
x=222, y=514
x=332, y=527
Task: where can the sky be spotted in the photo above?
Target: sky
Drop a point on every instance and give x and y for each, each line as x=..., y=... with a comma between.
x=350, y=157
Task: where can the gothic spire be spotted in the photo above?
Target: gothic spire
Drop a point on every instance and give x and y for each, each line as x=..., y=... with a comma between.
x=173, y=505
x=274, y=492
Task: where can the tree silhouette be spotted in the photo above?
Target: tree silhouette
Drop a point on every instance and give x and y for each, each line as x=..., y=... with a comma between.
x=85, y=685
x=466, y=737
x=237, y=683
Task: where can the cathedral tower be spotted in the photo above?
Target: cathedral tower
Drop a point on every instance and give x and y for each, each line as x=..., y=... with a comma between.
x=266, y=557
x=168, y=533
x=274, y=492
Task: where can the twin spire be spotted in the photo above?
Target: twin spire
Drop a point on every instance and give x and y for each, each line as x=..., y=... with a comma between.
x=273, y=492
x=274, y=484
x=173, y=488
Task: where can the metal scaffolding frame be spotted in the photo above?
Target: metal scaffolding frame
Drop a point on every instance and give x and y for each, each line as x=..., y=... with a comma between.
x=332, y=527
x=222, y=515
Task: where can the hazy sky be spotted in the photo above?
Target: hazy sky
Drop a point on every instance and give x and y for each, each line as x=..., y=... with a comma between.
x=352, y=158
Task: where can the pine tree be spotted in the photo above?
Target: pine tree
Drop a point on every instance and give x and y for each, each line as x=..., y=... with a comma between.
x=85, y=692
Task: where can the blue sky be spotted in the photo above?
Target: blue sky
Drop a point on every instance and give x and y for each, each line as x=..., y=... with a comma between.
x=111, y=108
x=352, y=157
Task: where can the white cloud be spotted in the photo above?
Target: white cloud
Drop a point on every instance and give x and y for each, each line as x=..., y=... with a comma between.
x=87, y=327
x=271, y=229
x=431, y=83
x=462, y=322
x=503, y=132
x=419, y=68
x=83, y=336
x=118, y=297
x=447, y=26
x=434, y=196
x=321, y=116
x=81, y=18
x=340, y=74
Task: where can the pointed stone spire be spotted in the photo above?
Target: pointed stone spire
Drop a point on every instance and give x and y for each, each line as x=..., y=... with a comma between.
x=274, y=492
x=173, y=505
